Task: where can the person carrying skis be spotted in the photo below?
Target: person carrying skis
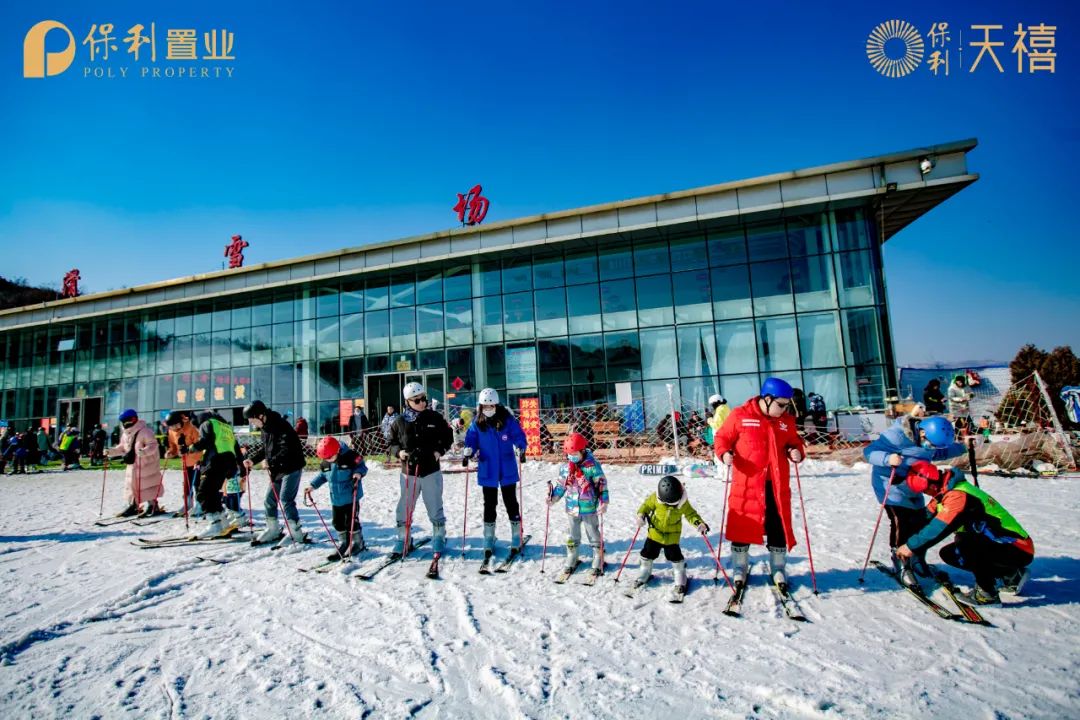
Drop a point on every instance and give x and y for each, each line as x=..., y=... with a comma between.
x=419, y=437
x=498, y=443
x=220, y=451
x=663, y=511
x=284, y=460
x=139, y=448
x=181, y=431
x=756, y=442
x=345, y=470
x=585, y=489
x=989, y=542
x=892, y=454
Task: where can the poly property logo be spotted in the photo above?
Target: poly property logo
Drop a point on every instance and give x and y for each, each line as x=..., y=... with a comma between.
x=50, y=48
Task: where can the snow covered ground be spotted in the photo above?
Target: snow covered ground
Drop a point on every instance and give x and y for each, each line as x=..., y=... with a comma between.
x=93, y=626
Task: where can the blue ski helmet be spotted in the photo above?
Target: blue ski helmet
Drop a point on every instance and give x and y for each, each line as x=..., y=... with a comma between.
x=939, y=431
x=128, y=414
x=777, y=388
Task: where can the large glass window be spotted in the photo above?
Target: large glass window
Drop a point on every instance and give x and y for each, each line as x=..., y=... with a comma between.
x=861, y=336
x=200, y=323
x=852, y=232
x=819, y=340
x=491, y=317
x=457, y=282
x=656, y=360
x=221, y=350
x=856, y=278
x=241, y=314
x=200, y=359
x=689, y=254
x=731, y=292
x=352, y=334
x=554, y=359
x=241, y=347
x=770, y=283
x=458, y=317
x=329, y=382
x=352, y=379
x=517, y=274
x=651, y=258
x=376, y=332
x=284, y=390
x=262, y=313
x=693, y=299
x=829, y=384
x=812, y=281
x=283, y=308
x=727, y=246
x=767, y=242
x=587, y=358
x=548, y=272
x=617, y=302
x=623, y=352
x=550, y=312
x=402, y=291
x=654, y=301
x=581, y=267
x=778, y=345
x=376, y=294
x=489, y=278
x=429, y=286
x=326, y=302
x=305, y=339
x=518, y=314
x=262, y=343
x=808, y=235
x=402, y=329
x=328, y=335
x=352, y=297
x=583, y=308
x=616, y=263
x=429, y=325
x=736, y=347
x=697, y=351
x=221, y=319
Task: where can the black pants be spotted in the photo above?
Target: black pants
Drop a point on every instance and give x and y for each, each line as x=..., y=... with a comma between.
x=904, y=522
x=651, y=550
x=984, y=558
x=344, y=521
x=221, y=468
x=491, y=502
x=774, y=524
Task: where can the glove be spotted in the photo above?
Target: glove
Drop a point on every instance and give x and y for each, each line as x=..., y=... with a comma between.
x=641, y=520
x=521, y=455
x=402, y=455
x=184, y=449
x=465, y=459
x=703, y=528
x=602, y=507
x=895, y=459
x=551, y=494
x=727, y=458
x=795, y=455
x=438, y=456
x=468, y=452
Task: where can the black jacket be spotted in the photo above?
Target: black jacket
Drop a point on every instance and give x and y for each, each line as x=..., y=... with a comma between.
x=428, y=434
x=280, y=448
x=933, y=399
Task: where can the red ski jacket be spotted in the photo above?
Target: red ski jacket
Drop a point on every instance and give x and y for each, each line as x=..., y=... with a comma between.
x=760, y=444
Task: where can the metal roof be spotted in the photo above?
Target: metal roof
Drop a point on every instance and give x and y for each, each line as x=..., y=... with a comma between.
x=893, y=183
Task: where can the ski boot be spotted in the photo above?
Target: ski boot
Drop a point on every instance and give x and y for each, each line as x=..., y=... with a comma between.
x=979, y=598
x=295, y=535
x=130, y=511
x=644, y=573
x=777, y=564
x=272, y=533
x=215, y=527
x=571, y=555
x=740, y=563
x=1014, y=583
x=680, y=577
x=598, y=561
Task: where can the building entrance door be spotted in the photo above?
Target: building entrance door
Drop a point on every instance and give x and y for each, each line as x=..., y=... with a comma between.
x=386, y=388
x=83, y=414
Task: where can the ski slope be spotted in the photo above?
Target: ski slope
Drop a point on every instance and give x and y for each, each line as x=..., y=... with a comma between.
x=93, y=626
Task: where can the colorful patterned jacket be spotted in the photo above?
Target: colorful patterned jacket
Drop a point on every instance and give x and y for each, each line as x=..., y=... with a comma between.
x=584, y=486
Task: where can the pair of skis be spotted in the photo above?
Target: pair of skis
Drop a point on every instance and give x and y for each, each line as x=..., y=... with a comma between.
x=966, y=614
x=782, y=592
x=676, y=596
x=386, y=561
x=229, y=534
x=504, y=566
x=590, y=579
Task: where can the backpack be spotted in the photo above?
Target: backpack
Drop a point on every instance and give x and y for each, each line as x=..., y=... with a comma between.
x=816, y=403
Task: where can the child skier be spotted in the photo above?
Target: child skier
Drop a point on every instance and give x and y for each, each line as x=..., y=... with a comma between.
x=585, y=489
x=663, y=511
x=345, y=470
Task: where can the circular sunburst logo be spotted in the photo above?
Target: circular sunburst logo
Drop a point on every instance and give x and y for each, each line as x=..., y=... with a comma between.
x=907, y=35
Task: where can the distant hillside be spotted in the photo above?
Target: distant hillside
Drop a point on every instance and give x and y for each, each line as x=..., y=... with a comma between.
x=15, y=293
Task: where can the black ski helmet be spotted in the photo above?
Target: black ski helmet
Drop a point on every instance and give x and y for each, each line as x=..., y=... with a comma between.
x=256, y=408
x=176, y=417
x=670, y=490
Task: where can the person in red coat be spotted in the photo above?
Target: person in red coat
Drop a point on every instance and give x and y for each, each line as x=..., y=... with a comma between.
x=756, y=441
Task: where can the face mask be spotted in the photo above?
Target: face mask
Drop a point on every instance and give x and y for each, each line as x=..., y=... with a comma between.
x=489, y=412
x=574, y=458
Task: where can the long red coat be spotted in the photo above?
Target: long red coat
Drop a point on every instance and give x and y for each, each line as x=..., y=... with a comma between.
x=760, y=444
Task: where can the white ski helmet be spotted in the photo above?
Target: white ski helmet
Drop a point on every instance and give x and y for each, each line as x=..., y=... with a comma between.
x=412, y=390
x=488, y=396
x=716, y=400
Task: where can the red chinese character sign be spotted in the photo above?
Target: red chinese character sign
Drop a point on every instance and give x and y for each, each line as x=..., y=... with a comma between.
x=235, y=251
x=474, y=204
x=529, y=413
x=70, y=287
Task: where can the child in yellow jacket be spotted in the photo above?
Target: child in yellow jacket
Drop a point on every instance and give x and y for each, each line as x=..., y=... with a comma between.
x=663, y=511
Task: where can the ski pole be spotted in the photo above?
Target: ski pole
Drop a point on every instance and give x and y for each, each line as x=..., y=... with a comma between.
x=251, y=514
x=521, y=498
x=627, y=556
x=408, y=508
x=352, y=520
x=465, y=522
x=602, y=561
x=547, y=526
x=104, y=474
x=723, y=515
x=873, y=537
x=309, y=500
x=187, y=489
x=971, y=461
x=806, y=529
x=719, y=565
x=281, y=508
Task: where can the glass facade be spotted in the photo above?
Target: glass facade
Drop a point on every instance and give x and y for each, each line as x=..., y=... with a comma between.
x=713, y=310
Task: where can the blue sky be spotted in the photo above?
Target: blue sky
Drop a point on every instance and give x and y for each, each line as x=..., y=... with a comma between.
x=348, y=123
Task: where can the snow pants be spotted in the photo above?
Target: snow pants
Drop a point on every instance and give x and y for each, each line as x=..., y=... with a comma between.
x=431, y=486
x=214, y=475
x=985, y=559
x=491, y=502
x=592, y=531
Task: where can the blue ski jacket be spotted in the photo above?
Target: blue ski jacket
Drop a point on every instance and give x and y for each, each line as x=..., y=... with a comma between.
x=900, y=438
x=340, y=473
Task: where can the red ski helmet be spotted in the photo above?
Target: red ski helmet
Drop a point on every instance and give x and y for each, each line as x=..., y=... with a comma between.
x=925, y=477
x=328, y=448
x=574, y=443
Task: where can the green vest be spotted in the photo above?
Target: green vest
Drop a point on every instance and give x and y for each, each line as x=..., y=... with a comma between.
x=1004, y=520
x=224, y=437
x=65, y=442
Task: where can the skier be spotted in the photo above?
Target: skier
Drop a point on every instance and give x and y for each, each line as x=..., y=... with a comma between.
x=345, y=470
x=585, y=489
x=757, y=441
x=217, y=442
x=498, y=442
x=139, y=448
x=284, y=456
x=960, y=403
x=892, y=455
x=181, y=431
x=419, y=437
x=989, y=542
x=663, y=511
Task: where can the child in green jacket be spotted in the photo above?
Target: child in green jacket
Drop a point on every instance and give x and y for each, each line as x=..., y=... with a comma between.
x=663, y=512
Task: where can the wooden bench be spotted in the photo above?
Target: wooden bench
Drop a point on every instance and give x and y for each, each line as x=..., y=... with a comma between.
x=605, y=432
